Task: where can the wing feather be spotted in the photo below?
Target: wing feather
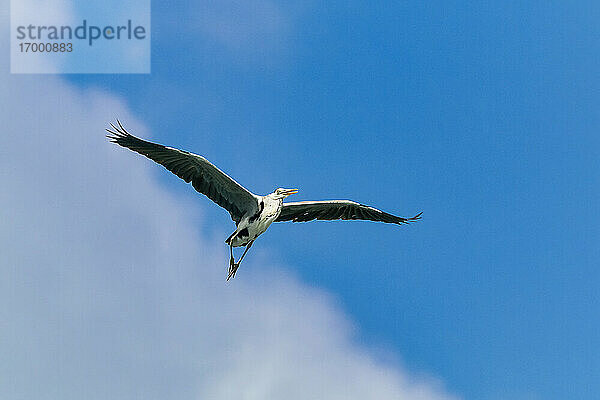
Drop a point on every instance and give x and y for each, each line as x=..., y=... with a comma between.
x=304, y=211
x=192, y=168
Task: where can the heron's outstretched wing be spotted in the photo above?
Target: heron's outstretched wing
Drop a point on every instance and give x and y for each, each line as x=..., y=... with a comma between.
x=304, y=211
x=205, y=177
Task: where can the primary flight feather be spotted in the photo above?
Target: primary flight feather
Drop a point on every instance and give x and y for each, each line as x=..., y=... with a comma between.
x=251, y=213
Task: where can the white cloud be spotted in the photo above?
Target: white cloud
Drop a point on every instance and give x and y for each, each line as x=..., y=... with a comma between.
x=37, y=13
x=245, y=32
x=238, y=24
x=107, y=291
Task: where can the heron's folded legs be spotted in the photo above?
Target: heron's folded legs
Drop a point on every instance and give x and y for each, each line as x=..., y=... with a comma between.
x=233, y=266
x=231, y=259
x=245, y=251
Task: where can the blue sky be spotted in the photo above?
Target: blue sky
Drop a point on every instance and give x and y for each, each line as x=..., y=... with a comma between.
x=483, y=116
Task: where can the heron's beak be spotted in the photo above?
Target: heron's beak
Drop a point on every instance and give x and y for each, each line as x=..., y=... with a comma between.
x=290, y=192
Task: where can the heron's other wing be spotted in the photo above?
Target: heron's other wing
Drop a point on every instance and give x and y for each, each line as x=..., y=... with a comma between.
x=204, y=176
x=304, y=211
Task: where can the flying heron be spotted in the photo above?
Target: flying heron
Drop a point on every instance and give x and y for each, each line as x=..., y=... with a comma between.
x=251, y=213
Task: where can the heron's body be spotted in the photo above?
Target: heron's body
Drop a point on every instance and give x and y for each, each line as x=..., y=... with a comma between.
x=254, y=224
x=251, y=213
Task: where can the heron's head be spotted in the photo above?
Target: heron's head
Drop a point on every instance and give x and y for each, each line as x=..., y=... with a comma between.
x=282, y=193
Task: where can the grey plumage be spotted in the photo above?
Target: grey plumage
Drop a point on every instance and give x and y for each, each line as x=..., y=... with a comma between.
x=304, y=211
x=192, y=168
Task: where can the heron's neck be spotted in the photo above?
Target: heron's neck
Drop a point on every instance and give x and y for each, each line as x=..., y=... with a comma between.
x=275, y=199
